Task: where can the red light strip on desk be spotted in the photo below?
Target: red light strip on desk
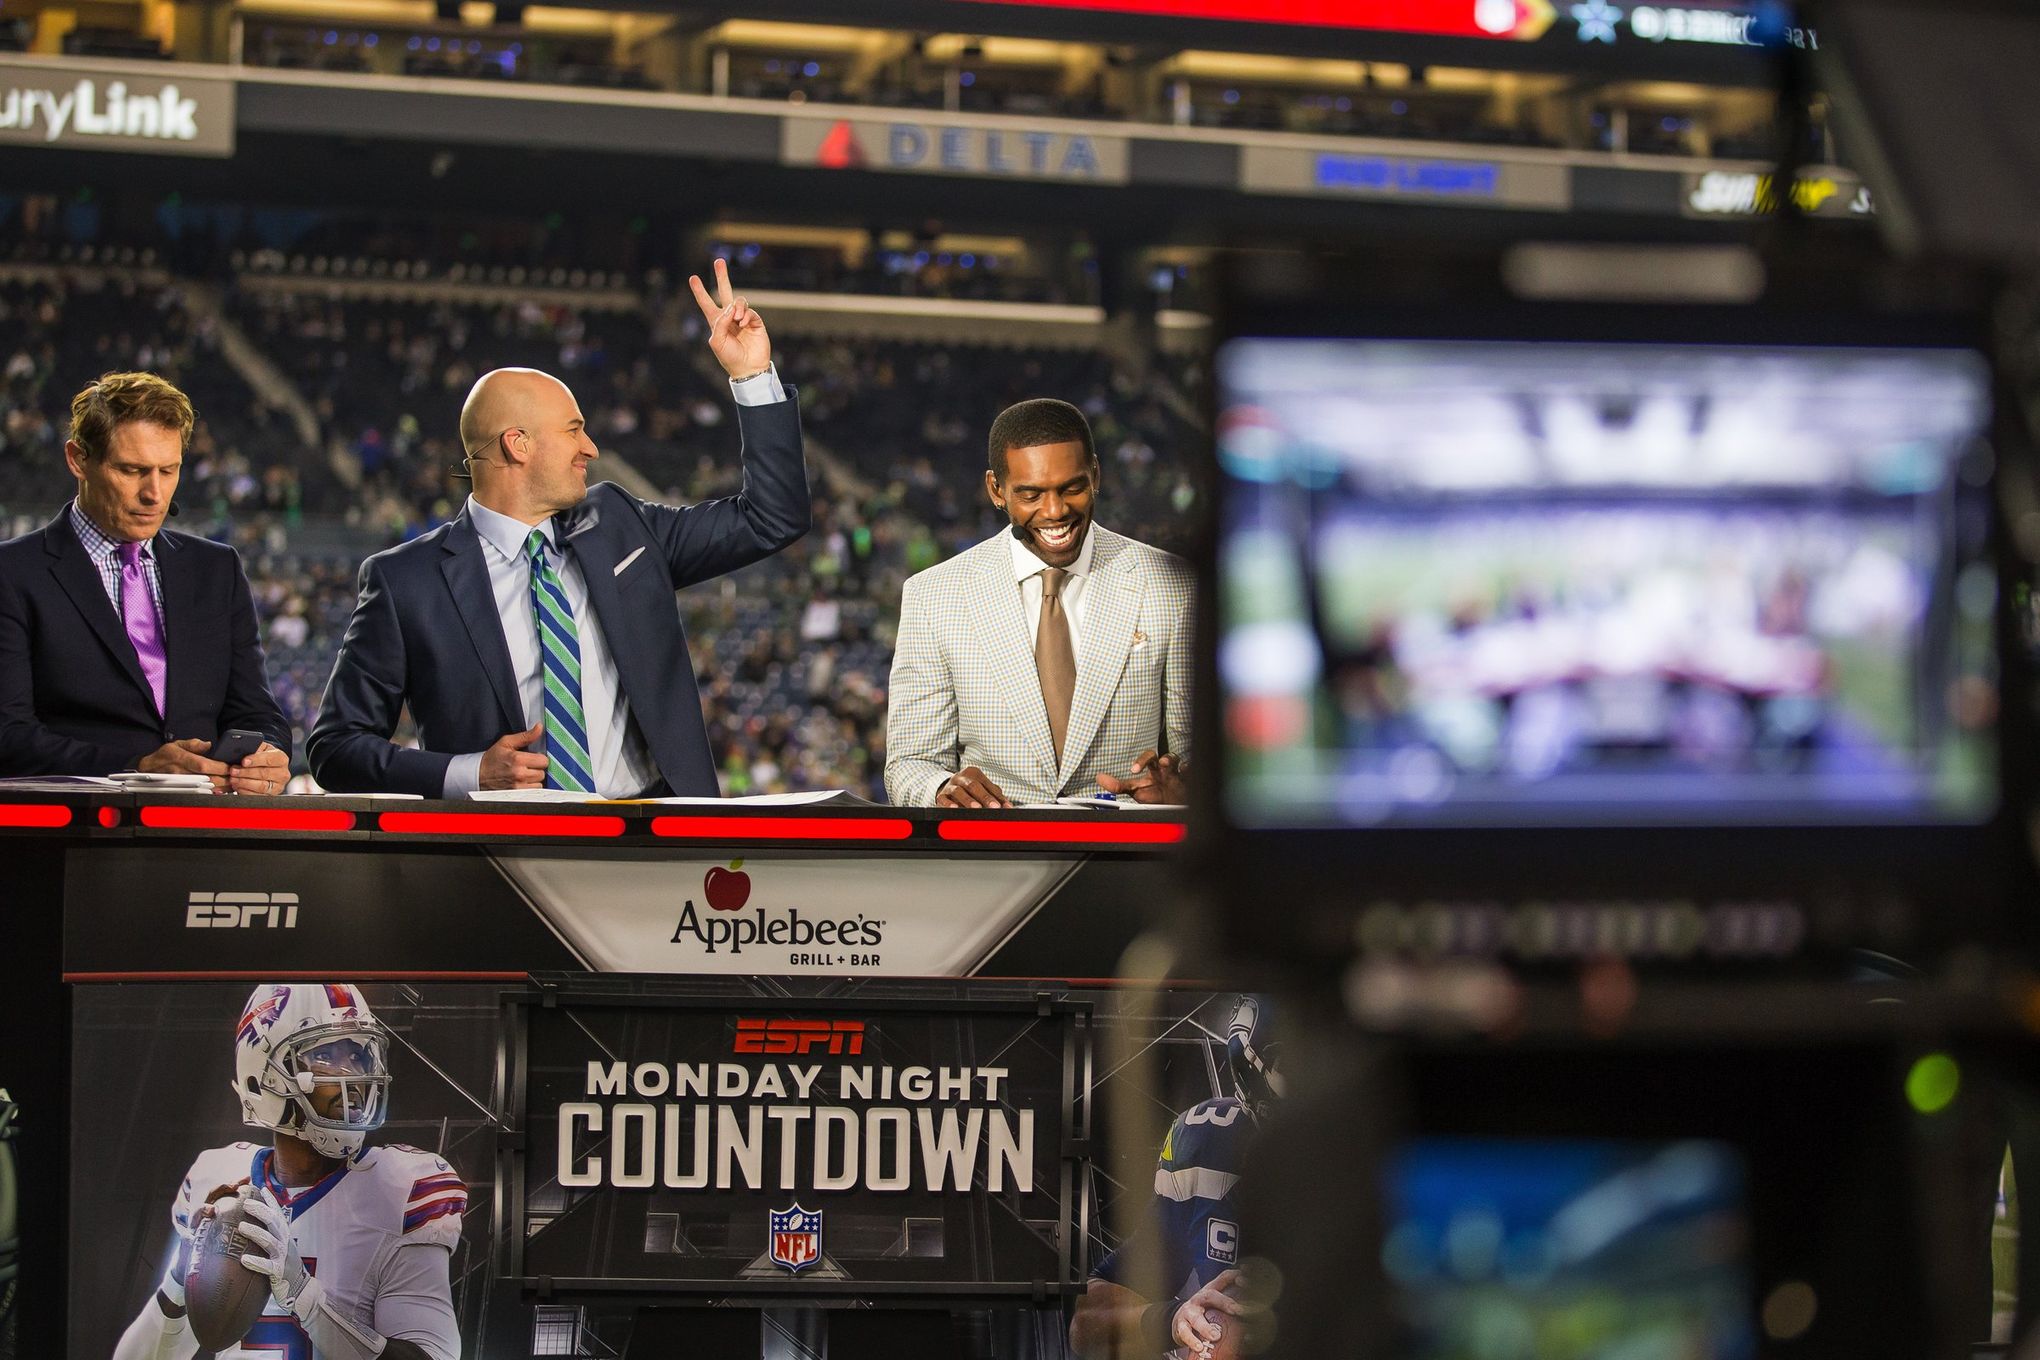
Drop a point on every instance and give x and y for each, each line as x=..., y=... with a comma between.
x=786, y=828
x=498, y=824
x=1066, y=833
x=183, y=818
x=34, y=814
x=319, y=975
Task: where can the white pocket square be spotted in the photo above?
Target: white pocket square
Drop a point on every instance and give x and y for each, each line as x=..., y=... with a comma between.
x=627, y=561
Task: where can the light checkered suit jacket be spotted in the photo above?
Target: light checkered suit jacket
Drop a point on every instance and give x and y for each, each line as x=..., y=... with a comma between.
x=964, y=690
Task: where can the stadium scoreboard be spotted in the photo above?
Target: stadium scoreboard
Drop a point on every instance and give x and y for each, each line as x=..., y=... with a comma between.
x=1552, y=24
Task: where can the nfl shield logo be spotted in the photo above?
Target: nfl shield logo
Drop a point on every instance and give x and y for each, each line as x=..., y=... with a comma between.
x=796, y=1235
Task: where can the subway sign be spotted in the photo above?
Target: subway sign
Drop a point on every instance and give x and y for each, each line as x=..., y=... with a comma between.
x=1748, y=193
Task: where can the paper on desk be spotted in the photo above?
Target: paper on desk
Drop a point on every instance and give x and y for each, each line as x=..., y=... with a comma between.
x=58, y=783
x=533, y=796
x=162, y=783
x=807, y=799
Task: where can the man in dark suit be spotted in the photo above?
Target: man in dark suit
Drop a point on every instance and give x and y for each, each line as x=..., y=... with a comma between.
x=535, y=638
x=122, y=645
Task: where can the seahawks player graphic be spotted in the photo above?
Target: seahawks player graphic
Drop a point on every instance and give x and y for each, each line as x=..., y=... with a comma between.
x=1195, y=1178
x=356, y=1242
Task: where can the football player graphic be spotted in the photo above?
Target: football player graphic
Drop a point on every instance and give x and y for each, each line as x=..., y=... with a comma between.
x=355, y=1242
x=1198, y=1225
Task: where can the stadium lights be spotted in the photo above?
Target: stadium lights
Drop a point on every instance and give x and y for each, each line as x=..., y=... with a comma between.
x=996, y=51
x=1256, y=66
x=805, y=37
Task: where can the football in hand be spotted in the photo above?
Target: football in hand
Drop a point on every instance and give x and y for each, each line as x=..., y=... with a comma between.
x=1237, y=1336
x=222, y=1297
x=1231, y=1333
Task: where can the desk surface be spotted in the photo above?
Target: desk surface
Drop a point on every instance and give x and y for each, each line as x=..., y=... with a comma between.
x=93, y=814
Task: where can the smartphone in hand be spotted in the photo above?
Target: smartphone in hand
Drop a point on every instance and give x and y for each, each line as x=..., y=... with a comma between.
x=235, y=746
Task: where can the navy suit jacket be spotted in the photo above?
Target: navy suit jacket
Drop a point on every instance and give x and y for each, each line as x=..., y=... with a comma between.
x=73, y=699
x=426, y=633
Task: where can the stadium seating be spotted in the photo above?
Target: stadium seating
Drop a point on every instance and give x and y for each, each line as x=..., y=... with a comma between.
x=64, y=328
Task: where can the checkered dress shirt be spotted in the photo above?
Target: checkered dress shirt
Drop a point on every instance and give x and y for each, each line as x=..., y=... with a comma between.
x=105, y=555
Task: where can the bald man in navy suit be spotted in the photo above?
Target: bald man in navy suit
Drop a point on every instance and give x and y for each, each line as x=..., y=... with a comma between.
x=535, y=638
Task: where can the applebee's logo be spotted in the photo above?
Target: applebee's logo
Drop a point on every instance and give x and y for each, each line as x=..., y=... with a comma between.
x=727, y=889
x=723, y=927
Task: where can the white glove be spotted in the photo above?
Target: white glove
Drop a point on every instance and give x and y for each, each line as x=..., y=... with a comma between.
x=265, y=1224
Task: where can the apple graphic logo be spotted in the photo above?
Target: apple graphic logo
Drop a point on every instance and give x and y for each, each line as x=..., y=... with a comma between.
x=726, y=889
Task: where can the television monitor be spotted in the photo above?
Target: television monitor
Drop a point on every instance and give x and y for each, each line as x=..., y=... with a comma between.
x=1569, y=1247
x=1714, y=1196
x=1510, y=583
x=1545, y=631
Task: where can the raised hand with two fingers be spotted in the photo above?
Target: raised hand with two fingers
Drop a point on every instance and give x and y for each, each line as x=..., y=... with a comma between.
x=735, y=333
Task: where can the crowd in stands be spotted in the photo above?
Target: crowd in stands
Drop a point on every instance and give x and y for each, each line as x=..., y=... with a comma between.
x=227, y=243
x=238, y=247
x=1028, y=92
x=793, y=654
x=920, y=272
x=1368, y=113
x=446, y=51
x=56, y=333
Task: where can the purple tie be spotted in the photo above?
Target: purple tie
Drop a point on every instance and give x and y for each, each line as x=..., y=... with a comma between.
x=144, y=627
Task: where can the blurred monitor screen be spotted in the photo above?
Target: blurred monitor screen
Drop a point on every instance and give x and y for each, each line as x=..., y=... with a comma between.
x=1560, y=1249
x=1505, y=583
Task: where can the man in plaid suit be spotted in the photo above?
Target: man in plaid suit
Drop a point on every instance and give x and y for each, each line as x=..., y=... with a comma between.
x=1049, y=661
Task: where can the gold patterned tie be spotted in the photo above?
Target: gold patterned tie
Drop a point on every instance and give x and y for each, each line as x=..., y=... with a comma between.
x=1055, y=661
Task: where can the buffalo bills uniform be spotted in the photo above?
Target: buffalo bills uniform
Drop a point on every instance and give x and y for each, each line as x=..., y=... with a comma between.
x=378, y=1233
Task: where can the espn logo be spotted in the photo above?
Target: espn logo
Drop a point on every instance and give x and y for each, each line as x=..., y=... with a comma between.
x=839, y=1037
x=225, y=910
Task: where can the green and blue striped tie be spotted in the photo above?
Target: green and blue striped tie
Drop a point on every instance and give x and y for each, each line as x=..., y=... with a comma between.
x=559, y=649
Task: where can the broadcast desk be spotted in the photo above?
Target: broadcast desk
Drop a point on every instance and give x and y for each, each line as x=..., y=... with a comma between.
x=200, y=886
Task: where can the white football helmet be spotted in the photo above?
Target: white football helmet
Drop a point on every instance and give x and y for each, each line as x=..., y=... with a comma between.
x=311, y=1060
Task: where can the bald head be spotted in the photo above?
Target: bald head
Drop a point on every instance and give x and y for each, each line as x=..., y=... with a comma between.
x=503, y=399
x=541, y=467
